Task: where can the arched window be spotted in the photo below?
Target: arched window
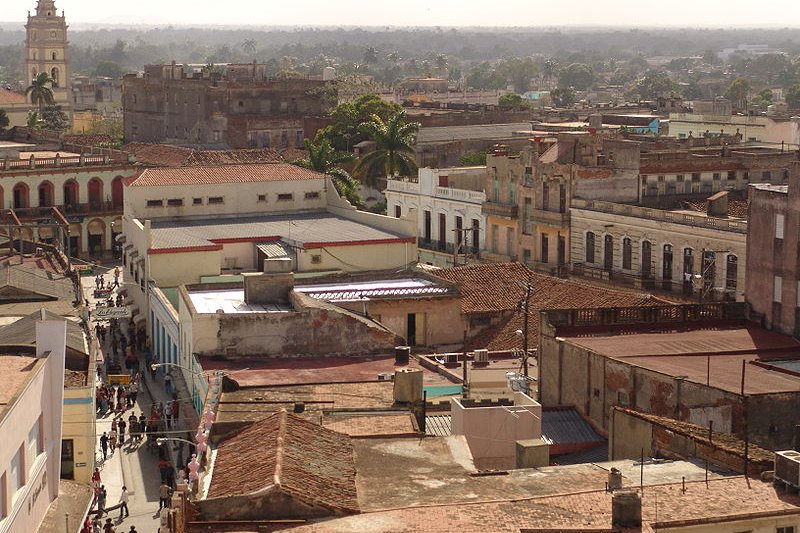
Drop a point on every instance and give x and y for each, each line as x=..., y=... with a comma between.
x=54, y=75
x=590, y=247
x=71, y=198
x=34, y=56
x=95, y=193
x=46, y=194
x=731, y=272
x=647, y=260
x=54, y=56
x=21, y=196
x=116, y=192
x=608, y=252
x=626, y=253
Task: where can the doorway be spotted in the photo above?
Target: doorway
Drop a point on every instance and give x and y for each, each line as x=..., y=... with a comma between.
x=67, y=459
x=415, y=329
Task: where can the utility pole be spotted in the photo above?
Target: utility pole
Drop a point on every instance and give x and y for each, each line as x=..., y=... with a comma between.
x=524, y=305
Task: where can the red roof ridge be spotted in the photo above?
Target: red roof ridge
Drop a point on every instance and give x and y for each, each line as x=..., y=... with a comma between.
x=279, y=448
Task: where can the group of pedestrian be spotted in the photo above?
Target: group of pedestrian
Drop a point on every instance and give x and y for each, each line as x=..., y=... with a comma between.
x=116, y=399
x=94, y=526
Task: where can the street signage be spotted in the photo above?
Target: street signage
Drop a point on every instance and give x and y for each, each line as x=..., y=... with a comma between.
x=107, y=313
x=119, y=379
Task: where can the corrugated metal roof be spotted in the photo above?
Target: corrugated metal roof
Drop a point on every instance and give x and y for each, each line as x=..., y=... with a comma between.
x=23, y=331
x=596, y=454
x=274, y=250
x=562, y=426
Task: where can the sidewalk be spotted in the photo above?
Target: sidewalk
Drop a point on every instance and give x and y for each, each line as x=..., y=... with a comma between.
x=131, y=465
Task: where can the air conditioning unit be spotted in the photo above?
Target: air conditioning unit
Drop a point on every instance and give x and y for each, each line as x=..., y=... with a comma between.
x=386, y=376
x=451, y=359
x=787, y=467
x=481, y=356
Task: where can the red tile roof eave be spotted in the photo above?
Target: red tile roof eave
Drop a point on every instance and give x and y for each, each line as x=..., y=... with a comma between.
x=272, y=238
x=69, y=169
x=185, y=249
x=398, y=240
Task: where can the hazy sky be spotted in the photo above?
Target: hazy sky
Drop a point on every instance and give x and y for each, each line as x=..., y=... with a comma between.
x=422, y=12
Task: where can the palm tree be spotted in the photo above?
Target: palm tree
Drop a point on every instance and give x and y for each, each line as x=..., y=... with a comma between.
x=40, y=91
x=34, y=121
x=249, y=46
x=371, y=55
x=4, y=122
x=324, y=158
x=394, y=147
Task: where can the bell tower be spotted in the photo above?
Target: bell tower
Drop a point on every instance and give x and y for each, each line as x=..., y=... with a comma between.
x=47, y=50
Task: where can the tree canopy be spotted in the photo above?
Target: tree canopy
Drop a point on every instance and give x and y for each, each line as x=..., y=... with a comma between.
x=394, y=147
x=347, y=118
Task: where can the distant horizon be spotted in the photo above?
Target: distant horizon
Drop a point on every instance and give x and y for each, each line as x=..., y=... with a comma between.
x=514, y=14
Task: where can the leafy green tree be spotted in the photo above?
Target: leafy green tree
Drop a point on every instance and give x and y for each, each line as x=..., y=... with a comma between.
x=55, y=119
x=347, y=117
x=763, y=98
x=108, y=69
x=792, y=97
x=4, y=121
x=249, y=46
x=472, y=159
x=371, y=55
x=322, y=157
x=563, y=97
x=441, y=63
x=738, y=92
x=511, y=101
x=40, y=91
x=33, y=121
x=654, y=84
x=577, y=75
x=768, y=66
x=518, y=71
x=394, y=147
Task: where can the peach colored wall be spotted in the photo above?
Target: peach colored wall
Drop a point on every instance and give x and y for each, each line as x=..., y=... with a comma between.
x=492, y=432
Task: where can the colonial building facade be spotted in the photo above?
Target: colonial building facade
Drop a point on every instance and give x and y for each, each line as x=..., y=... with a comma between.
x=448, y=204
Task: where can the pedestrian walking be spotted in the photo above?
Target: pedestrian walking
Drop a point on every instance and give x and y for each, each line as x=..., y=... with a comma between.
x=168, y=383
x=104, y=445
x=163, y=496
x=101, y=501
x=122, y=425
x=176, y=406
x=116, y=277
x=112, y=440
x=96, y=527
x=133, y=392
x=123, y=502
x=168, y=414
x=108, y=527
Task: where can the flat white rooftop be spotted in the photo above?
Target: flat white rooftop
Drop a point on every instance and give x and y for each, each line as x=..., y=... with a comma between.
x=230, y=301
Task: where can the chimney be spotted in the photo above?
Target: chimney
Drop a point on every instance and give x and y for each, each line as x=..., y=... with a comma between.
x=718, y=204
x=271, y=286
x=626, y=509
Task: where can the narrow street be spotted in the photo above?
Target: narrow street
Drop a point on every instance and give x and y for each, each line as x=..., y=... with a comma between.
x=134, y=464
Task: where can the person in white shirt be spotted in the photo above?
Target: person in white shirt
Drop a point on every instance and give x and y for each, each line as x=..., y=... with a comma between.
x=123, y=502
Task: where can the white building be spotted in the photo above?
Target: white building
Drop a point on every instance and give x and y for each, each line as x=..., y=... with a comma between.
x=30, y=425
x=448, y=210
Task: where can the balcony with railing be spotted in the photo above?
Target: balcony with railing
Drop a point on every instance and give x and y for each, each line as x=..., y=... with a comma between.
x=550, y=218
x=444, y=247
x=406, y=185
x=42, y=213
x=32, y=163
x=497, y=209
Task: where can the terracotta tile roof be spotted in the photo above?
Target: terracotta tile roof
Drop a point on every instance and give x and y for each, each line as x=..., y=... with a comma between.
x=154, y=154
x=736, y=207
x=498, y=288
x=699, y=434
x=287, y=454
x=719, y=501
x=158, y=154
x=371, y=426
x=10, y=97
x=154, y=177
x=235, y=157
